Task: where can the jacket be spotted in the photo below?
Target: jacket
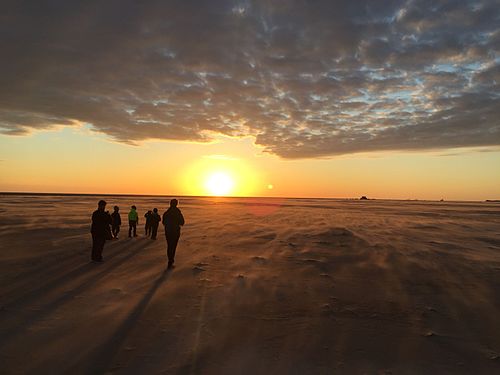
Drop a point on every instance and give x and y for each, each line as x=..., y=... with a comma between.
x=173, y=220
x=116, y=219
x=133, y=216
x=101, y=221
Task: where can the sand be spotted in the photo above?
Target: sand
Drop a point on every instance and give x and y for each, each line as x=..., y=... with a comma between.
x=262, y=286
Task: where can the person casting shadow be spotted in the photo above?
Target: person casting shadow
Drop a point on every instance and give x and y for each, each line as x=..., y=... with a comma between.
x=101, y=220
x=172, y=220
x=154, y=222
x=116, y=221
x=147, y=226
x=133, y=220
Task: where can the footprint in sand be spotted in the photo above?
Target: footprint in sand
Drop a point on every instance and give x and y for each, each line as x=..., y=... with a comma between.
x=493, y=355
x=260, y=260
x=311, y=261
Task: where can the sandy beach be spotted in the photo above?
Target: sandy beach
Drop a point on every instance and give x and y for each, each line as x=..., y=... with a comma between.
x=262, y=286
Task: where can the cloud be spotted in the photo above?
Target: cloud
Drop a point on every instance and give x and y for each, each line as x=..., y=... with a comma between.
x=306, y=79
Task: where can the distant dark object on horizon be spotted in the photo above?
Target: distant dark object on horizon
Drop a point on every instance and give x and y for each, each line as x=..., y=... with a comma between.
x=493, y=200
x=363, y=198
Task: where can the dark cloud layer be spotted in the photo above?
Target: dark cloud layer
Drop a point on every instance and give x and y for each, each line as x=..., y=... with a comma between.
x=306, y=78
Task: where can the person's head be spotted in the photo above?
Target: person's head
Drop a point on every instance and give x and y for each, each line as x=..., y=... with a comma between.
x=155, y=210
x=174, y=202
x=101, y=205
x=116, y=208
x=134, y=207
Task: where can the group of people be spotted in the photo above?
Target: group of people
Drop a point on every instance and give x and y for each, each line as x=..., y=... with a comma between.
x=106, y=226
x=153, y=219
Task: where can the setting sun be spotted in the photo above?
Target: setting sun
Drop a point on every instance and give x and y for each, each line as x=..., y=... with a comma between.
x=219, y=183
x=222, y=175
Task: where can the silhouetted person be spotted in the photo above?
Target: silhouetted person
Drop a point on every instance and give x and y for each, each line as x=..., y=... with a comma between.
x=133, y=220
x=101, y=220
x=147, y=226
x=155, y=219
x=172, y=220
x=116, y=221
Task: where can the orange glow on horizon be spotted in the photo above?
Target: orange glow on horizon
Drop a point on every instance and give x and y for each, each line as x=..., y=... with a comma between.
x=222, y=177
x=219, y=184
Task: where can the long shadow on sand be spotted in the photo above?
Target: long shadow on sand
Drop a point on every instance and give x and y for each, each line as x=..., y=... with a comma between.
x=23, y=324
x=44, y=265
x=99, y=361
x=60, y=280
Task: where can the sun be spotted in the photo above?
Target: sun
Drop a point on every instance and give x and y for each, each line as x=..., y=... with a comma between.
x=219, y=184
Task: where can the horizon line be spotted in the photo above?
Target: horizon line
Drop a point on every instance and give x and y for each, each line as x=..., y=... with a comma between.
x=233, y=196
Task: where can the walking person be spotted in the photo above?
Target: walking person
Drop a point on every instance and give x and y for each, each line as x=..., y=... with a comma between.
x=133, y=220
x=147, y=226
x=172, y=220
x=155, y=221
x=116, y=221
x=101, y=220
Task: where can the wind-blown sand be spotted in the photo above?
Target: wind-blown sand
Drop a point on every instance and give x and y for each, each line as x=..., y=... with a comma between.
x=262, y=286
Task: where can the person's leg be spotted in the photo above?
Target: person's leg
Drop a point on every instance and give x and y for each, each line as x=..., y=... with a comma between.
x=117, y=230
x=100, y=249
x=175, y=241
x=154, y=231
x=97, y=247
x=169, y=251
x=93, y=256
x=130, y=225
x=172, y=240
x=135, y=228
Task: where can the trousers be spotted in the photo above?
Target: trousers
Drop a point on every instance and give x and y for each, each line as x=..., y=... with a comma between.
x=154, y=231
x=97, y=247
x=115, y=229
x=172, y=240
x=132, y=225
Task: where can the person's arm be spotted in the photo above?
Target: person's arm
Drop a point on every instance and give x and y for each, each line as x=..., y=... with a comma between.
x=92, y=223
x=181, y=218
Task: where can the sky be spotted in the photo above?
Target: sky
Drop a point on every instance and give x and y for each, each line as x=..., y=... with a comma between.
x=388, y=99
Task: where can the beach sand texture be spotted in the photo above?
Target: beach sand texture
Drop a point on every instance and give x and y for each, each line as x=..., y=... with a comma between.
x=262, y=286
